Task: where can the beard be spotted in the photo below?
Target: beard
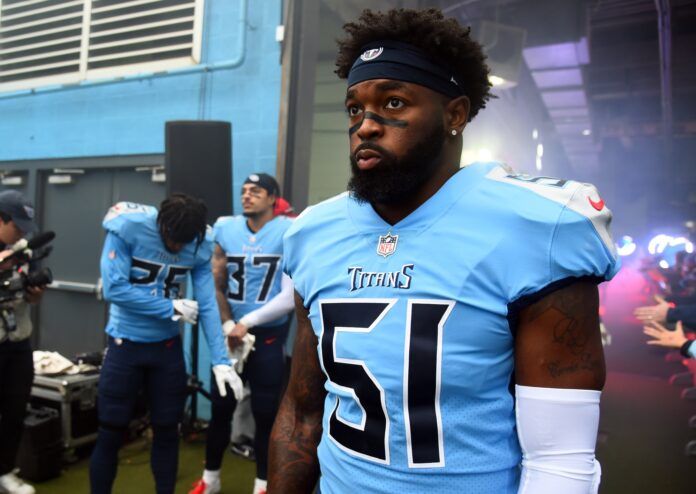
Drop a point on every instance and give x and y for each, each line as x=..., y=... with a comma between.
x=394, y=179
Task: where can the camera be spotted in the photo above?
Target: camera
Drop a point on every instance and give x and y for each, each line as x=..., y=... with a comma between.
x=12, y=287
x=13, y=283
x=15, y=280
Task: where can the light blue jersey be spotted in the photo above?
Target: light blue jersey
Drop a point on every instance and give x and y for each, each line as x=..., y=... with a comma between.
x=141, y=277
x=414, y=323
x=254, y=262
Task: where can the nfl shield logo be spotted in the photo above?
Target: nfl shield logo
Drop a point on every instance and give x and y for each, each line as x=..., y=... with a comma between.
x=387, y=244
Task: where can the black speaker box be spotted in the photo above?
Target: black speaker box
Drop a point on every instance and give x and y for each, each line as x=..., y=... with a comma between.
x=40, y=451
x=198, y=162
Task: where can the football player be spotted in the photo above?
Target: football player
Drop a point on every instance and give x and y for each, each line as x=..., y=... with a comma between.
x=447, y=318
x=254, y=297
x=146, y=257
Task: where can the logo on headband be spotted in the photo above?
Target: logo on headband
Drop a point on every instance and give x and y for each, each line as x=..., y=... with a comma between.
x=371, y=54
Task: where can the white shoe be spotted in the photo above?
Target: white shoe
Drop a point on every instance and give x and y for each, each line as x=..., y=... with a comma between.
x=11, y=484
x=259, y=486
x=201, y=487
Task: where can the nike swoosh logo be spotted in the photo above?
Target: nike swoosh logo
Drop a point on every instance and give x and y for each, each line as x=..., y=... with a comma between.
x=599, y=205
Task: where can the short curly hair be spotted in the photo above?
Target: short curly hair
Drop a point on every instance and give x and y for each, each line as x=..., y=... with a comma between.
x=182, y=218
x=445, y=40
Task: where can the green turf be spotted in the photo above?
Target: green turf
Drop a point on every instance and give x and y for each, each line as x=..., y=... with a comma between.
x=134, y=476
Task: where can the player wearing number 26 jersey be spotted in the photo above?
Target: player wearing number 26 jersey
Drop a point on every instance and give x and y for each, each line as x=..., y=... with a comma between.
x=147, y=255
x=413, y=322
x=134, y=251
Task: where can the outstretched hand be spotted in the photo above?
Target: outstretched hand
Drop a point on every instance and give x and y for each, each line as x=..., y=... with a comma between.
x=664, y=337
x=653, y=313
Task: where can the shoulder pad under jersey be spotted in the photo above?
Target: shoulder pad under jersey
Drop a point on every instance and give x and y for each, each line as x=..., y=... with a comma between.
x=123, y=214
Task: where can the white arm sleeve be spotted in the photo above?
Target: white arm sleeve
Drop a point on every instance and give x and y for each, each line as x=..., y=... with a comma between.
x=278, y=306
x=557, y=429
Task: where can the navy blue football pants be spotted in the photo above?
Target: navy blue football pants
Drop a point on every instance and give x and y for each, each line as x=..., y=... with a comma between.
x=159, y=369
x=264, y=371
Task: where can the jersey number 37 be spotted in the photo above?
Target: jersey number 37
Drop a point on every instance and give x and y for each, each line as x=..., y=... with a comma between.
x=236, y=266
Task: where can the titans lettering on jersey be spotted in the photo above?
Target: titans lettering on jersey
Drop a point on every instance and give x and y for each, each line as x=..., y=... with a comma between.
x=141, y=277
x=359, y=278
x=418, y=379
x=254, y=262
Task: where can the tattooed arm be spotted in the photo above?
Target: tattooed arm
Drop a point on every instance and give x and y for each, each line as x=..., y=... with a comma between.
x=220, y=276
x=293, y=465
x=558, y=343
x=559, y=369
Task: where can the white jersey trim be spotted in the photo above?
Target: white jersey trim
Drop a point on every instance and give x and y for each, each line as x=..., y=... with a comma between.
x=581, y=198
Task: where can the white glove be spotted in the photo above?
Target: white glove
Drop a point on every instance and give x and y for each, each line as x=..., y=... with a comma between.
x=228, y=326
x=224, y=374
x=241, y=352
x=185, y=309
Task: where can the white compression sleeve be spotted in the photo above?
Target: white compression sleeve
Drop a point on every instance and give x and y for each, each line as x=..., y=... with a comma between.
x=557, y=429
x=278, y=306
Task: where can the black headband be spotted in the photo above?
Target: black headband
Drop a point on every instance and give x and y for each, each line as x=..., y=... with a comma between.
x=402, y=62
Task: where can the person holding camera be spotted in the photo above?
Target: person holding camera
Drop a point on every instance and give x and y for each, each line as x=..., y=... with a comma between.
x=16, y=364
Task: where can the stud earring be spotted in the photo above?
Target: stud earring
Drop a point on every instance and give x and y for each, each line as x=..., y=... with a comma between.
x=454, y=132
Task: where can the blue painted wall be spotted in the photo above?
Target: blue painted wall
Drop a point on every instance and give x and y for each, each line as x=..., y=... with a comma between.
x=128, y=117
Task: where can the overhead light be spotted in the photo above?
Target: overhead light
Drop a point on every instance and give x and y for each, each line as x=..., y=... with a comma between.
x=496, y=81
x=538, y=163
x=535, y=134
x=60, y=179
x=626, y=247
x=586, y=132
x=158, y=175
x=468, y=156
x=540, y=150
x=664, y=264
x=485, y=155
x=659, y=243
x=76, y=171
x=10, y=180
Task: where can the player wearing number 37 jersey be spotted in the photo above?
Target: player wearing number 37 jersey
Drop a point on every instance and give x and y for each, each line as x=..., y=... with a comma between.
x=447, y=317
x=254, y=298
